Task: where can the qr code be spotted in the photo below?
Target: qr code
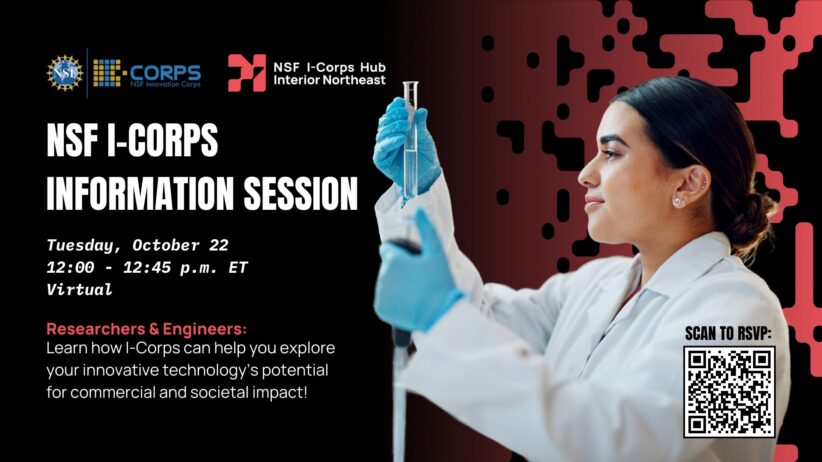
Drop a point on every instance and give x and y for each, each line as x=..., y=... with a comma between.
x=729, y=392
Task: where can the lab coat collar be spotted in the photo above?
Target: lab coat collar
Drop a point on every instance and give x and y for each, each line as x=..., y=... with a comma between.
x=691, y=261
x=677, y=272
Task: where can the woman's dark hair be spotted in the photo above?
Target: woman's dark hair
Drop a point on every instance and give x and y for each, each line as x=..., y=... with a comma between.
x=693, y=122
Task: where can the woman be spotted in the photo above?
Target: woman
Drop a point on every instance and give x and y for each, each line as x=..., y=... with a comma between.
x=590, y=365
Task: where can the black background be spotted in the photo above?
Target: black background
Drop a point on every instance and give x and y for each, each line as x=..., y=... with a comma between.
x=311, y=273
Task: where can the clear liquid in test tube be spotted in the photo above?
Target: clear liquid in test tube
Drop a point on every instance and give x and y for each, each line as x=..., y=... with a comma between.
x=410, y=183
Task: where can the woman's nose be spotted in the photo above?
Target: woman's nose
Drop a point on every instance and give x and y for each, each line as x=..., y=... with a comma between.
x=587, y=176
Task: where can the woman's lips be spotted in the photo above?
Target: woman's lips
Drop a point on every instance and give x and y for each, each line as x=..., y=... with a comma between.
x=591, y=205
x=592, y=201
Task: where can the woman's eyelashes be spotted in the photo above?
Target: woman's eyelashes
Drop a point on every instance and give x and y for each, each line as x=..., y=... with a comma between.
x=609, y=154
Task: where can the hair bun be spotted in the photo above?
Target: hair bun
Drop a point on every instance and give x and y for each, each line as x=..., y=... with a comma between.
x=752, y=220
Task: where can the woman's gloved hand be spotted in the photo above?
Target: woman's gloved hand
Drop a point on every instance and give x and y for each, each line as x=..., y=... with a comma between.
x=414, y=291
x=388, y=151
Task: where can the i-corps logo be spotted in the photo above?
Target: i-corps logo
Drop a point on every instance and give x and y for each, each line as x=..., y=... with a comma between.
x=115, y=73
x=107, y=73
x=254, y=71
x=65, y=73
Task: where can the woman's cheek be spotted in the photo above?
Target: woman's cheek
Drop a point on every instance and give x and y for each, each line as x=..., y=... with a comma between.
x=633, y=185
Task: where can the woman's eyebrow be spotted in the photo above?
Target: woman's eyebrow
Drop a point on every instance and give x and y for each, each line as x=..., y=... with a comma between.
x=613, y=137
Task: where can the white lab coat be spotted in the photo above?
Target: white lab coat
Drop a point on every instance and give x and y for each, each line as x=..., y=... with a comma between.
x=527, y=367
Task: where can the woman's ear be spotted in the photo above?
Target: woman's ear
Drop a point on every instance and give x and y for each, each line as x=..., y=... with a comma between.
x=695, y=183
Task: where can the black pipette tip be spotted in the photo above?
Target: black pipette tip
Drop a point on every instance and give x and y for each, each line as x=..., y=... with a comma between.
x=402, y=338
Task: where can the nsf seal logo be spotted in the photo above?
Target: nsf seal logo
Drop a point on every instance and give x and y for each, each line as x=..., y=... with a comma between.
x=65, y=73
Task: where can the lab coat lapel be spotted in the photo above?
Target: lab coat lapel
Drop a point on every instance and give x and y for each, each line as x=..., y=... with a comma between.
x=612, y=292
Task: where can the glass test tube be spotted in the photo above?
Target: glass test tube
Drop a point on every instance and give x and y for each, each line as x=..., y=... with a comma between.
x=410, y=153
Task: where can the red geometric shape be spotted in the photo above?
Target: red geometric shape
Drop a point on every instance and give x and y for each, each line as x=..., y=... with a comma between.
x=691, y=53
x=786, y=453
x=773, y=180
x=804, y=316
x=769, y=65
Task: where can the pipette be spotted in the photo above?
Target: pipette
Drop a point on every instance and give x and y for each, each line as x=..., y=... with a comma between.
x=402, y=338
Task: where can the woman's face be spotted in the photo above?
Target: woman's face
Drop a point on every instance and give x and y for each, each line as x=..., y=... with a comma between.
x=629, y=188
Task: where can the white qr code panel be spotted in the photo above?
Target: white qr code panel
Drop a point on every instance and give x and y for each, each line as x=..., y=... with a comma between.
x=729, y=392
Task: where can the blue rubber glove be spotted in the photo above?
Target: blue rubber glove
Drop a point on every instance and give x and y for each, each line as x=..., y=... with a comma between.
x=388, y=151
x=414, y=291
